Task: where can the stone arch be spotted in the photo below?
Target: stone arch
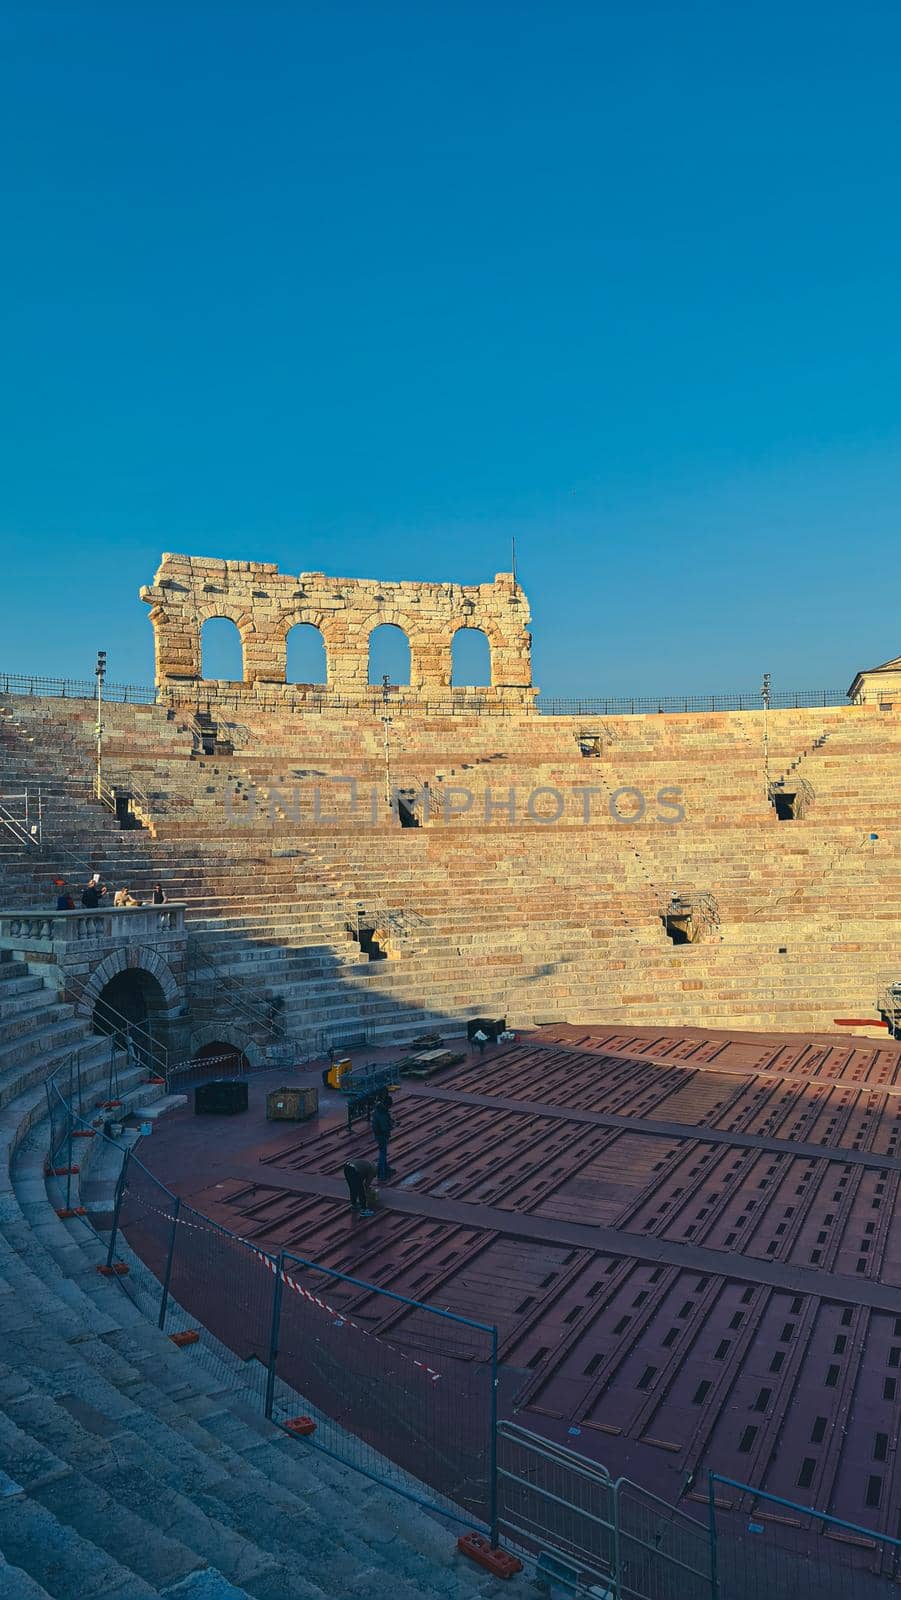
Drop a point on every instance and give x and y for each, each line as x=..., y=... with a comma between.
x=460, y=678
x=320, y=620
x=214, y=632
x=400, y=624
x=263, y=602
x=230, y=1033
x=139, y=957
x=262, y=658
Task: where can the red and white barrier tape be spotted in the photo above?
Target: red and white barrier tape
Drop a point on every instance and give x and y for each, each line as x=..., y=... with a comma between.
x=340, y=1319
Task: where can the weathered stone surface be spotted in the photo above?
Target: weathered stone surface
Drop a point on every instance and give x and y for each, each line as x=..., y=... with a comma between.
x=265, y=604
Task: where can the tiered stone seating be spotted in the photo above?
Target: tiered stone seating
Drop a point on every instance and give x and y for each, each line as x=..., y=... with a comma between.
x=128, y=1470
x=127, y=1467
x=519, y=916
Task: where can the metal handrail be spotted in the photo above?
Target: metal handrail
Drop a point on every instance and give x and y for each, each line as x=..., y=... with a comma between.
x=683, y=900
x=106, y=793
x=646, y=704
x=157, y=1055
x=24, y=828
x=232, y=986
x=374, y=914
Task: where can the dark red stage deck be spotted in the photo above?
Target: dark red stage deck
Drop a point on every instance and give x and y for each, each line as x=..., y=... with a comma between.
x=687, y=1242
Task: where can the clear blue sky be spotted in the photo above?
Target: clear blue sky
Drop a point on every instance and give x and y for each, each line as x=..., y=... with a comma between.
x=372, y=287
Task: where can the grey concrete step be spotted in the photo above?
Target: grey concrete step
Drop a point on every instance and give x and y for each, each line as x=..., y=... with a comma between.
x=59, y=1560
x=17, y=1585
x=117, y=1489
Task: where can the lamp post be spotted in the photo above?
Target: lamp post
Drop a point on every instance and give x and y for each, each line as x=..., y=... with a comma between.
x=386, y=686
x=765, y=692
x=100, y=671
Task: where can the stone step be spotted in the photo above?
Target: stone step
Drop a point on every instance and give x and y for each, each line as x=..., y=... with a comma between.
x=111, y=1484
x=17, y=1585
x=59, y=1560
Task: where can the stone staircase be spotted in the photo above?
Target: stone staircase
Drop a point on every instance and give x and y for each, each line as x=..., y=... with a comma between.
x=128, y=1468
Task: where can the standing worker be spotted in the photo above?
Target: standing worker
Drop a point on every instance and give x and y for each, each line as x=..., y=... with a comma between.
x=382, y=1126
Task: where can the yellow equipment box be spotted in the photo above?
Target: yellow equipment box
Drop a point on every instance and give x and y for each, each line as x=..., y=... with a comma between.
x=339, y=1070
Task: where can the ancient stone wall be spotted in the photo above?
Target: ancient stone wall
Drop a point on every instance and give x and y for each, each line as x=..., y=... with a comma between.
x=265, y=604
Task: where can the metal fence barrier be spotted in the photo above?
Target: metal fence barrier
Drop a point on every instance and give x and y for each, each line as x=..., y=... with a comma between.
x=402, y=1391
x=766, y=1548
x=592, y=1533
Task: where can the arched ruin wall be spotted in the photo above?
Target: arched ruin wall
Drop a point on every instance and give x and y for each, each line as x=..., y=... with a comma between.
x=265, y=604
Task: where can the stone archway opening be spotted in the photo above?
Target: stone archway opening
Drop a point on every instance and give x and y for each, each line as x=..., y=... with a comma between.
x=305, y=659
x=470, y=659
x=131, y=1009
x=221, y=651
x=221, y=1058
x=389, y=654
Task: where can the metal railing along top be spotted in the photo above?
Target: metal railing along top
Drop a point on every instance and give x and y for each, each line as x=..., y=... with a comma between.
x=206, y=695
x=27, y=683
x=649, y=704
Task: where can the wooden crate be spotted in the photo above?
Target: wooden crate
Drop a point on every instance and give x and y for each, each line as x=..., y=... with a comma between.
x=291, y=1105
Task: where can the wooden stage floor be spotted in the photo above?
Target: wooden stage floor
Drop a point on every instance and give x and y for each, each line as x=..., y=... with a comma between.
x=687, y=1242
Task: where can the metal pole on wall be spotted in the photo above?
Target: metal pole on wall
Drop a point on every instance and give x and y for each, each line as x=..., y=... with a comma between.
x=120, y=1190
x=170, y=1253
x=386, y=685
x=274, y=1333
x=493, y=1515
x=100, y=671
x=765, y=692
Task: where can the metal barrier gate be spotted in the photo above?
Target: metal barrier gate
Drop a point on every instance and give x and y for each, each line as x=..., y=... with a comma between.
x=590, y=1533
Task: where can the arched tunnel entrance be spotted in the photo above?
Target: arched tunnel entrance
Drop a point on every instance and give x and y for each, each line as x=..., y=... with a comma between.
x=131, y=1008
x=223, y=1059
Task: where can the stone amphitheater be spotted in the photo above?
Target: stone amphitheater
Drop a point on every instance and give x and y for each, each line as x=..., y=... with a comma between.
x=349, y=867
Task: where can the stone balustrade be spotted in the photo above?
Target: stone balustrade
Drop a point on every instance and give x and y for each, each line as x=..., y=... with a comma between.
x=52, y=930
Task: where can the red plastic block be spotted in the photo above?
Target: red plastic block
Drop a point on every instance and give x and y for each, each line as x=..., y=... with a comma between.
x=500, y=1563
x=181, y=1339
x=117, y=1270
x=302, y=1426
x=157, y=1081
x=61, y=1172
x=71, y=1211
x=109, y=1105
x=83, y=1133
